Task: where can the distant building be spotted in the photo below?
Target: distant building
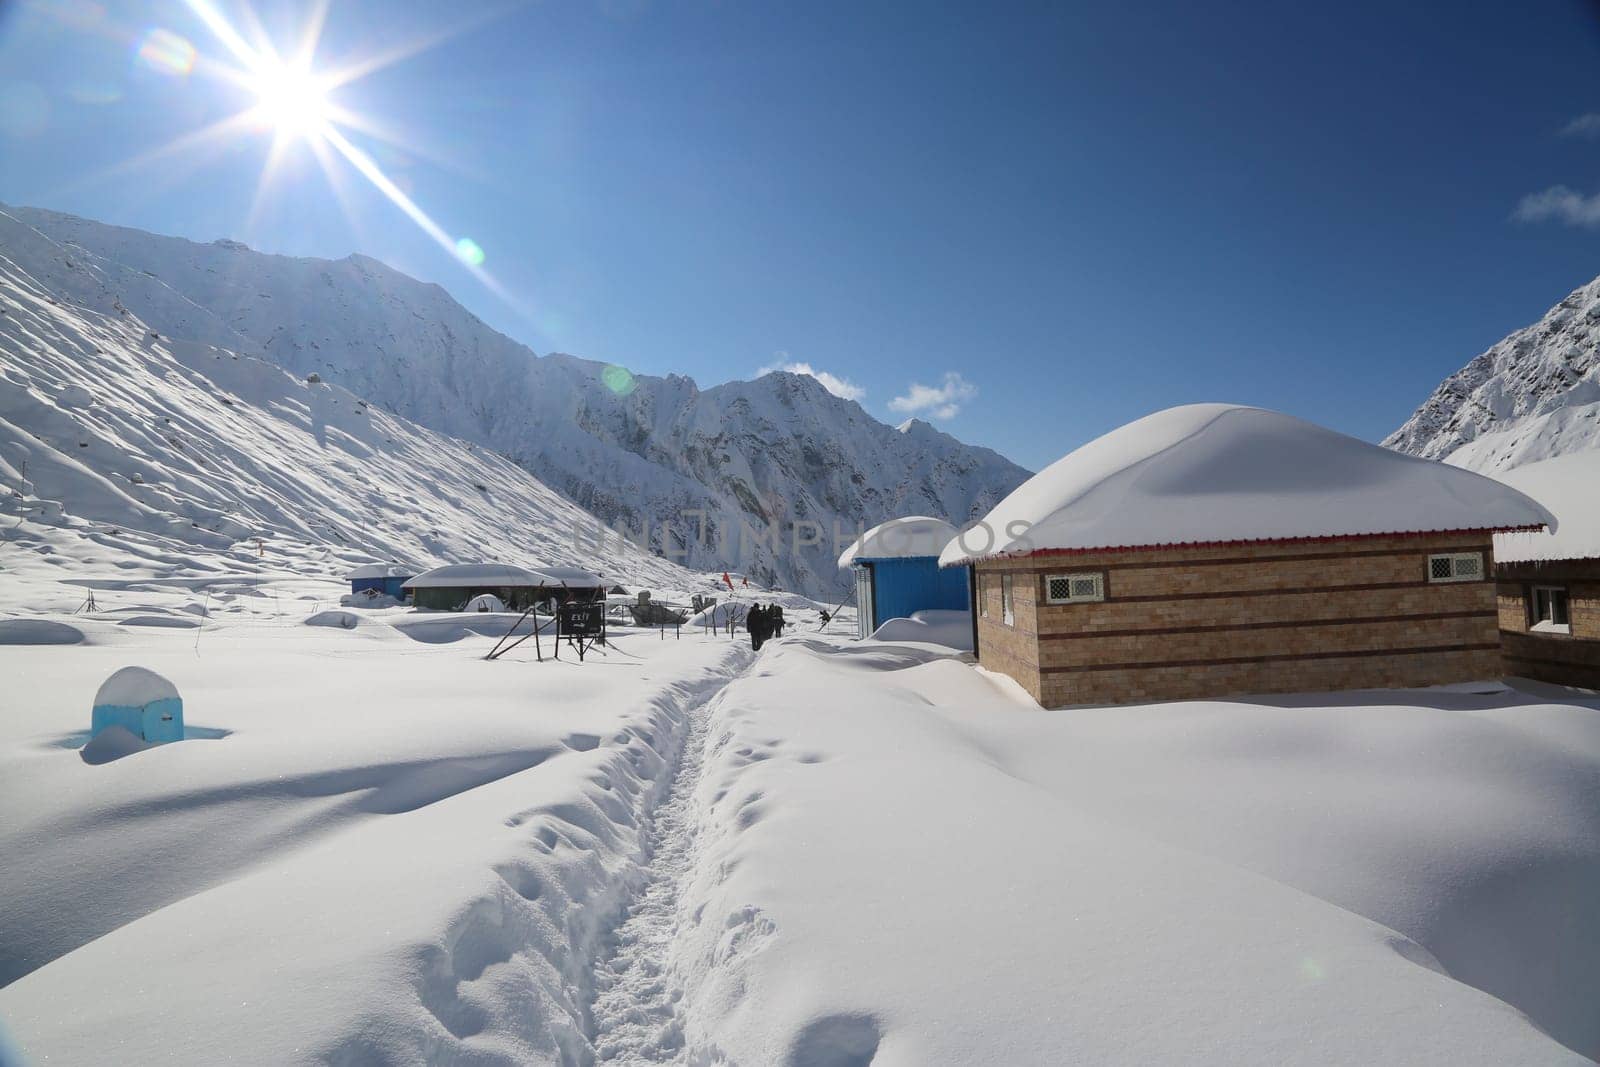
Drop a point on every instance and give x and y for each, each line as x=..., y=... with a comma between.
x=452, y=587
x=1215, y=550
x=386, y=578
x=1549, y=583
x=896, y=570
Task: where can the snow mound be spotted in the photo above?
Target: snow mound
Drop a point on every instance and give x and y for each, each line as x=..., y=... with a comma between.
x=134, y=687
x=38, y=632
x=343, y=620
x=112, y=743
x=718, y=614
x=486, y=602
x=368, y=598
x=1210, y=473
x=1569, y=486
x=935, y=627
x=904, y=538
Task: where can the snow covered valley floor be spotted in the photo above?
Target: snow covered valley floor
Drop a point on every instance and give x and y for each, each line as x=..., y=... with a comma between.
x=378, y=848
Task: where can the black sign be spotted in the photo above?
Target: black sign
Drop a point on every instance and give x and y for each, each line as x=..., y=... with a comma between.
x=583, y=619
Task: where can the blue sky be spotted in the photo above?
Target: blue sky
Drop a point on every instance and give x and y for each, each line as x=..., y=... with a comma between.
x=1082, y=213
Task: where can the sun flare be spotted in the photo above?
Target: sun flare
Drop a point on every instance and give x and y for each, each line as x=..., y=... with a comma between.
x=292, y=101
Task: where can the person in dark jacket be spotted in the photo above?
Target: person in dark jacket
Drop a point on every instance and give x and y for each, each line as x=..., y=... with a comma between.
x=755, y=621
x=775, y=619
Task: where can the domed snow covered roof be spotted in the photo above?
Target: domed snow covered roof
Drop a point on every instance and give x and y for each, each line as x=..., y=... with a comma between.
x=134, y=687
x=573, y=577
x=1210, y=473
x=1569, y=486
x=905, y=538
x=461, y=575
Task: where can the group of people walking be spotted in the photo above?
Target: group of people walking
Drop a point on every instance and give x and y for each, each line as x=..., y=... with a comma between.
x=763, y=622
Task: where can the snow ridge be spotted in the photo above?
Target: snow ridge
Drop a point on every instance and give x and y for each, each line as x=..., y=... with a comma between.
x=639, y=452
x=1533, y=395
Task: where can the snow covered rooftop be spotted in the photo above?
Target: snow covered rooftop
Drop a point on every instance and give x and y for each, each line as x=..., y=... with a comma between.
x=1208, y=473
x=134, y=687
x=460, y=575
x=913, y=535
x=380, y=570
x=576, y=577
x=1569, y=486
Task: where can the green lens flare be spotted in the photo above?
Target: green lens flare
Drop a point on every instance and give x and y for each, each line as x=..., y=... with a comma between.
x=618, y=379
x=469, y=252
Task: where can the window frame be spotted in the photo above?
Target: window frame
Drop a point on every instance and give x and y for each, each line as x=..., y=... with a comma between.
x=1537, y=623
x=1453, y=577
x=1068, y=577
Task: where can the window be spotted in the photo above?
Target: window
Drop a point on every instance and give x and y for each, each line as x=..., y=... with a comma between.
x=983, y=595
x=1456, y=567
x=1074, y=588
x=1550, y=610
x=1008, y=600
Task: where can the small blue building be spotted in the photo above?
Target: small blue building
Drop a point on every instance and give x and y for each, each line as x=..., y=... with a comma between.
x=386, y=578
x=896, y=570
x=141, y=702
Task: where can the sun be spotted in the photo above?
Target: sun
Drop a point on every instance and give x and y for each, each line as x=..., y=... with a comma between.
x=291, y=100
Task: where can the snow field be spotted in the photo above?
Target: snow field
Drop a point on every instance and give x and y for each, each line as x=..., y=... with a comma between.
x=397, y=852
x=903, y=865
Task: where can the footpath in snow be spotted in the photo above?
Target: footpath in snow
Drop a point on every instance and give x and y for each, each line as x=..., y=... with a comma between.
x=375, y=849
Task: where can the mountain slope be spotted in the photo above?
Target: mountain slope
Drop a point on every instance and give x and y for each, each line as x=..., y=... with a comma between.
x=716, y=475
x=1534, y=395
x=172, y=454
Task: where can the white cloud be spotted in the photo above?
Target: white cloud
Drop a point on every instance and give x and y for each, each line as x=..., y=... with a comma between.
x=1583, y=126
x=840, y=387
x=942, y=401
x=1560, y=204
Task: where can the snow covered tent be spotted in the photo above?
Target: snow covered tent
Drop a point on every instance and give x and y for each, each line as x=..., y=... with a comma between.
x=140, y=701
x=1549, y=583
x=386, y=578
x=1212, y=550
x=897, y=572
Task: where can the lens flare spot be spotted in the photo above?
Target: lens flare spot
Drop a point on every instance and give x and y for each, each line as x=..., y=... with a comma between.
x=618, y=379
x=166, y=53
x=1311, y=970
x=468, y=252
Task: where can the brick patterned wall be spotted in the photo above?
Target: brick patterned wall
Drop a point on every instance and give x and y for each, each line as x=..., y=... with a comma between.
x=1260, y=618
x=1565, y=659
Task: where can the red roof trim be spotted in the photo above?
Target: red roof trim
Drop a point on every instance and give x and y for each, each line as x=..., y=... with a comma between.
x=1169, y=545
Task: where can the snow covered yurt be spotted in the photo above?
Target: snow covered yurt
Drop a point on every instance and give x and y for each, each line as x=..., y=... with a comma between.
x=385, y=578
x=452, y=587
x=1214, y=550
x=141, y=702
x=1549, y=583
x=896, y=570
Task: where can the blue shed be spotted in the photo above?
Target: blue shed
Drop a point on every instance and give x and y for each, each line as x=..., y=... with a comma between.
x=141, y=702
x=387, y=578
x=897, y=572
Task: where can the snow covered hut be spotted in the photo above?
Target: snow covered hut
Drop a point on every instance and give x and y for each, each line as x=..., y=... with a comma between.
x=386, y=578
x=897, y=572
x=452, y=587
x=1549, y=583
x=1212, y=549
x=140, y=701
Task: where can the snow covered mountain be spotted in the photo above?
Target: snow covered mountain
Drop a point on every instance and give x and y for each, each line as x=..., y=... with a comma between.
x=740, y=475
x=161, y=457
x=1534, y=395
